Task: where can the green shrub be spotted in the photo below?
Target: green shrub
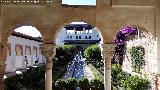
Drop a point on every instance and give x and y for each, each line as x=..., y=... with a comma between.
x=84, y=84
x=136, y=83
x=13, y=83
x=93, y=54
x=137, y=57
x=116, y=73
x=96, y=84
x=60, y=84
x=33, y=78
x=71, y=84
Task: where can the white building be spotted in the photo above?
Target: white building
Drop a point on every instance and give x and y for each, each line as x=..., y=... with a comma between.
x=78, y=34
x=23, y=49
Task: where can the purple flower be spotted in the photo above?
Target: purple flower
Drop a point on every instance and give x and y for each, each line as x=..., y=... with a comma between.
x=120, y=38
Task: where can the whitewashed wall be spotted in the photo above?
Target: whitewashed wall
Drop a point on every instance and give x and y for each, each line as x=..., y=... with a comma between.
x=150, y=45
x=18, y=62
x=62, y=35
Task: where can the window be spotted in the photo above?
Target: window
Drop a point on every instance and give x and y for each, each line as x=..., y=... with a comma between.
x=89, y=37
x=67, y=37
x=70, y=37
x=76, y=37
x=79, y=37
x=86, y=37
x=76, y=32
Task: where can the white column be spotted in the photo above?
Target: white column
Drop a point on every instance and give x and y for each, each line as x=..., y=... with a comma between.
x=13, y=55
x=48, y=50
x=48, y=76
x=24, y=53
x=108, y=51
x=32, y=61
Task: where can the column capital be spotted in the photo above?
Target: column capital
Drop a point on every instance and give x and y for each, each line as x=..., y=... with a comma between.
x=108, y=49
x=48, y=50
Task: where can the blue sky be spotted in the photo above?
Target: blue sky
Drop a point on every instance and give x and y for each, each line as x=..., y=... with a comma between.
x=79, y=2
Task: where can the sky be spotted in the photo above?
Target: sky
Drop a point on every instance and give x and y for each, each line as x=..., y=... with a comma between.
x=79, y=2
x=32, y=31
x=28, y=30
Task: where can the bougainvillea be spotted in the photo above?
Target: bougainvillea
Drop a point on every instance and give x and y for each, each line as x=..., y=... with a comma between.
x=120, y=41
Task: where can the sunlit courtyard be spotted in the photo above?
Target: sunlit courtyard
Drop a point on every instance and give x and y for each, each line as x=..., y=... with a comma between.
x=79, y=45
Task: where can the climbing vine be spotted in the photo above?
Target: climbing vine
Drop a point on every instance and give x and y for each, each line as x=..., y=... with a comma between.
x=137, y=56
x=120, y=40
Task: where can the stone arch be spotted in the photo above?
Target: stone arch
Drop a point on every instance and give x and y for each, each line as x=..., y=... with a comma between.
x=143, y=38
x=12, y=28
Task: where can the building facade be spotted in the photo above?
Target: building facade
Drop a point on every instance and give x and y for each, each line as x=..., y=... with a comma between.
x=80, y=35
x=22, y=51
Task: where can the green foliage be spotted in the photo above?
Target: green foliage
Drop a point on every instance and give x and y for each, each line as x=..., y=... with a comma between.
x=71, y=84
x=137, y=57
x=136, y=83
x=12, y=83
x=33, y=78
x=93, y=53
x=126, y=80
x=60, y=84
x=116, y=73
x=64, y=54
x=96, y=84
x=84, y=84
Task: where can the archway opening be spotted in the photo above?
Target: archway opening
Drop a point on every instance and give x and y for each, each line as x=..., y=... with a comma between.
x=24, y=54
x=86, y=62
x=132, y=59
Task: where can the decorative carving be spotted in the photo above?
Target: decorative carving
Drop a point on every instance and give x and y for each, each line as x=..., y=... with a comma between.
x=108, y=49
x=48, y=50
x=108, y=52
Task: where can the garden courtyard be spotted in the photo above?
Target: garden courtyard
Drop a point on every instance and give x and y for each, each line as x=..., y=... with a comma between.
x=76, y=69
x=127, y=59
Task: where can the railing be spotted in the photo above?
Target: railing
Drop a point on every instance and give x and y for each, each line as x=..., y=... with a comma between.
x=29, y=2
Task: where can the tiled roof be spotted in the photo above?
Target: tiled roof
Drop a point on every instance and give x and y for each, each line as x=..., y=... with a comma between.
x=78, y=26
x=18, y=34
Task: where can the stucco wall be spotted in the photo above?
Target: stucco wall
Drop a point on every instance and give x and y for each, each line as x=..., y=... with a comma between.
x=17, y=61
x=149, y=44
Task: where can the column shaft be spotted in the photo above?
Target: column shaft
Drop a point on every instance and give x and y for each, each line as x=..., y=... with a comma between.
x=107, y=74
x=48, y=76
x=48, y=51
x=108, y=51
